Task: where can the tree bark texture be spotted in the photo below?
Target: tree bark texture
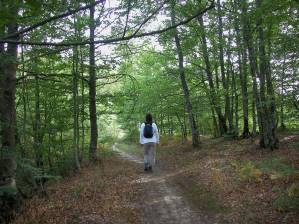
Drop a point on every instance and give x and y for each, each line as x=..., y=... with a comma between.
x=92, y=90
x=268, y=135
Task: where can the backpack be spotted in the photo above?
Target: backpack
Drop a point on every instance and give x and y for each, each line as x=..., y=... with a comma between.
x=148, y=131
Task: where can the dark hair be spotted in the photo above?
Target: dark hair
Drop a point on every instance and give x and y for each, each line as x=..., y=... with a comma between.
x=148, y=118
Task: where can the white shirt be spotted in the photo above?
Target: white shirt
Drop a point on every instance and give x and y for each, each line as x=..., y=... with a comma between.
x=155, y=137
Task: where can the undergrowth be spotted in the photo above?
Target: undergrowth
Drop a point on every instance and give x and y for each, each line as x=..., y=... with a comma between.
x=287, y=198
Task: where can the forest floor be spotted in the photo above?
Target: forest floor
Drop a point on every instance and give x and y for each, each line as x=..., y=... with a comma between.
x=224, y=181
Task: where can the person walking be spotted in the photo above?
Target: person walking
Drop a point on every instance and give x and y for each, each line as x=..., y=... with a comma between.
x=149, y=138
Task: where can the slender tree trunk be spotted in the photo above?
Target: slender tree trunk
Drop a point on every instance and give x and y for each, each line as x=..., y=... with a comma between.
x=184, y=137
x=253, y=118
x=162, y=124
x=247, y=36
x=47, y=127
x=185, y=126
x=237, y=116
x=217, y=77
x=75, y=103
x=215, y=124
x=282, y=124
x=243, y=81
x=24, y=121
x=188, y=105
x=231, y=98
x=38, y=138
x=214, y=98
x=82, y=107
x=225, y=80
x=61, y=143
x=242, y=61
x=92, y=90
x=75, y=120
x=236, y=109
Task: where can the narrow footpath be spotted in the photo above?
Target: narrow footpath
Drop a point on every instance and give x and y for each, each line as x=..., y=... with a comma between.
x=162, y=203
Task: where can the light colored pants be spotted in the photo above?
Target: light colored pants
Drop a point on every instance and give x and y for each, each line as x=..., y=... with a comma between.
x=149, y=154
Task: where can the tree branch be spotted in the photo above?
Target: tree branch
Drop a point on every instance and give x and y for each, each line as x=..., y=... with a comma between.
x=46, y=75
x=41, y=23
x=127, y=18
x=149, y=17
x=112, y=40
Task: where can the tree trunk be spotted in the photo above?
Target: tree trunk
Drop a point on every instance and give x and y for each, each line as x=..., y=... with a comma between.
x=188, y=105
x=282, y=124
x=183, y=133
x=82, y=107
x=75, y=103
x=214, y=98
x=230, y=100
x=247, y=36
x=38, y=136
x=162, y=124
x=268, y=136
x=242, y=61
x=243, y=81
x=217, y=77
x=236, y=112
x=24, y=121
x=8, y=66
x=216, y=131
x=8, y=89
x=225, y=80
x=92, y=90
x=253, y=118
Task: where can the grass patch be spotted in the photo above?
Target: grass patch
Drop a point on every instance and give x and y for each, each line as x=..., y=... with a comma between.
x=287, y=199
x=200, y=196
x=246, y=170
x=274, y=165
x=252, y=170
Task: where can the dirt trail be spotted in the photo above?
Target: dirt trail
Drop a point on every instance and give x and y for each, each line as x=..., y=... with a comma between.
x=162, y=203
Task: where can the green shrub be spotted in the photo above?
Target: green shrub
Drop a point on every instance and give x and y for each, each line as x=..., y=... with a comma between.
x=64, y=167
x=29, y=178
